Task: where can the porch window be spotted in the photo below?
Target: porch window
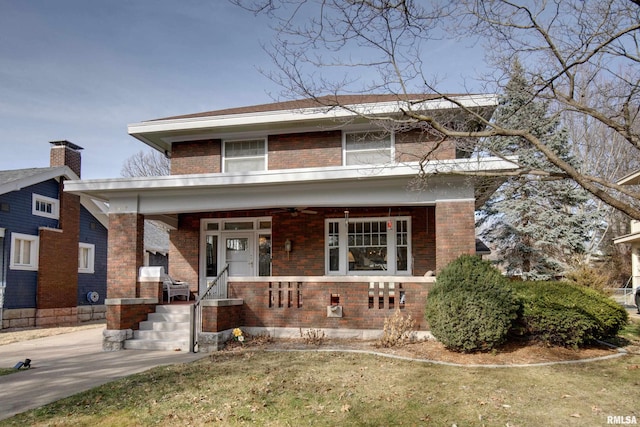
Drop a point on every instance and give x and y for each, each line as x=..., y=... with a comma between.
x=365, y=246
x=24, y=252
x=368, y=148
x=245, y=156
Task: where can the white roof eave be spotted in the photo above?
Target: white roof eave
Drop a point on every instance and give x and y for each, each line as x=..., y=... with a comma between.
x=308, y=114
x=45, y=175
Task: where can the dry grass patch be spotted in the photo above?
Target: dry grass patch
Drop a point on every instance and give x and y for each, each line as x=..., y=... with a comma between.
x=18, y=335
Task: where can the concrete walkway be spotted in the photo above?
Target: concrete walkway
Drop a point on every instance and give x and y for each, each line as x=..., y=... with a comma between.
x=66, y=364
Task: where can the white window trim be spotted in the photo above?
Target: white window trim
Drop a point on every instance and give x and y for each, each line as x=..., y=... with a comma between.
x=392, y=137
x=35, y=243
x=343, y=269
x=256, y=231
x=55, y=206
x=90, y=269
x=265, y=156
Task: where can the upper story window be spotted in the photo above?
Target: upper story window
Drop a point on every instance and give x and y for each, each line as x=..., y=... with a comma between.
x=45, y=206
x=86, y=258
x=24, y=252
x=245, y=156
x=368, y=148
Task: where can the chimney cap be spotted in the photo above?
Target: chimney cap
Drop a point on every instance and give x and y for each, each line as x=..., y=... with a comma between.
x=65, y=143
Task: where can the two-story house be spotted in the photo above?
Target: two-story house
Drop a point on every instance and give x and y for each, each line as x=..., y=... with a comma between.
x=53, y=246
x=309, y=206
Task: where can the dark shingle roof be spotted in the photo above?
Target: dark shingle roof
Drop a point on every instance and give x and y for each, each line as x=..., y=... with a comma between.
x=324, y=101
x=18, y=174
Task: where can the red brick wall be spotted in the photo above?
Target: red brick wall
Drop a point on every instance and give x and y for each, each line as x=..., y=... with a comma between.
x=196, y=157
x=127, y=316
x=258, y=311
x=302, y=150
x=423, y=240
x=58, y=262
x=63, y=156
x=183, y=250
x=412, y=146
x=216, y=319
x=306, y=232
x=455, y=231
x=305, y=150
x=125, y=254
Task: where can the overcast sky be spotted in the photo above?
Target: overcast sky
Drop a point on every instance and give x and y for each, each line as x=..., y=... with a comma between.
x=82, y=70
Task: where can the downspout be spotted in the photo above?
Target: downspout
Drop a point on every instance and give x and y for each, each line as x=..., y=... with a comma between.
x=3, y=276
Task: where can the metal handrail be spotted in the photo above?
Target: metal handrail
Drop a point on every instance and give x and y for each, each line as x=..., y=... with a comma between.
x=216, y=289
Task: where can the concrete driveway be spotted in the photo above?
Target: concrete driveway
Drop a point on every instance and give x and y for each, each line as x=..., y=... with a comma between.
x=66, y=364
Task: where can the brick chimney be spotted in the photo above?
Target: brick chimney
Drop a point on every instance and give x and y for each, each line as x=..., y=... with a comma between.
x=65, y=153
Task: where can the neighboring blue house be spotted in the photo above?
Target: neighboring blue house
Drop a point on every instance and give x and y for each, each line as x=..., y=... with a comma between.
x=53, y=246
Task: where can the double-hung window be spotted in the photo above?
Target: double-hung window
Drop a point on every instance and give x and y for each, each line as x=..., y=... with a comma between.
x=45, y=206
x=86, y=258
x=368, y=148
x=245, y=156
x=24, y=252
x=365, y=246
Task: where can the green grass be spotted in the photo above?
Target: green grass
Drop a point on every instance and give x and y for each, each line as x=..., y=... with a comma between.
x=327, y=389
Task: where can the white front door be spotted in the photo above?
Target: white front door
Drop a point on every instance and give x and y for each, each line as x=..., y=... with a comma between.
x=239, y=253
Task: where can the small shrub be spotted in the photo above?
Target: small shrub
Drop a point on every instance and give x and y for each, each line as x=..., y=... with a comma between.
x=471, y=307
x=312, y=336
x=565, y=314
x=589, y=277
x=397, y=330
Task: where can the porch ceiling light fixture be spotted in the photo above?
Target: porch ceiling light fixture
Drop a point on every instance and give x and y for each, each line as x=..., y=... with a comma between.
x=346, y=217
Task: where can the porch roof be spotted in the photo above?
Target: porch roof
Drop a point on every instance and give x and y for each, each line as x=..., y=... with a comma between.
x=354, y=186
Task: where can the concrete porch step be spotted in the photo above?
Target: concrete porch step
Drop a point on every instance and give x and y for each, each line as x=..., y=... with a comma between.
x=178, y=335
x=148, y=325
x=166, y=345
x=168, y=317
x=167, y=329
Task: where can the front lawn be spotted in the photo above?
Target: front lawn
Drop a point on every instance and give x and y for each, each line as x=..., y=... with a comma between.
x=328, y=389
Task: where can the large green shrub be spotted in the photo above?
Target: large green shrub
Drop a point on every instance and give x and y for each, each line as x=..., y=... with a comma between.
x=561, y=313
x=471, y=307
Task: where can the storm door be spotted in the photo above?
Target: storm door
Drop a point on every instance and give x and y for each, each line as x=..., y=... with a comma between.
x=239, y=253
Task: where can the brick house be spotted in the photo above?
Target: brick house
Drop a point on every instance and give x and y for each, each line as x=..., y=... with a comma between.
x=310, y=207
x=53, y=246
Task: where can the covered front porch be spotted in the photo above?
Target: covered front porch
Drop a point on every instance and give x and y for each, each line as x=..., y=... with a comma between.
x=296, y=242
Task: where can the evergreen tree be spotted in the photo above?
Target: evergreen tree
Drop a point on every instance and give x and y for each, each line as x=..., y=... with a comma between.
x=533, y=221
